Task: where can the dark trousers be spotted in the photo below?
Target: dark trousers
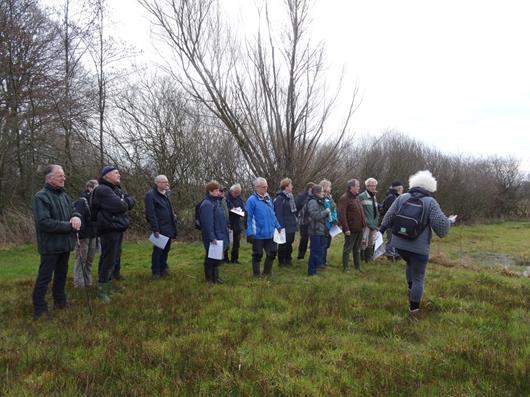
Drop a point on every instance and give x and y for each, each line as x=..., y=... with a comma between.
x=415, y=273
x=285, y=250
x=304, y=238
x=270, y=248
x=55, y=265
x=352, y=243
x=235, y=246
x=159, y=259
x=117, y=267
x=211, y=269
x=327, y=244
x=316, y=251
x=110, y=254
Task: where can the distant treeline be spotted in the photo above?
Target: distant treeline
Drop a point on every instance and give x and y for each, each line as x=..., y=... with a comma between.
x=65, y=100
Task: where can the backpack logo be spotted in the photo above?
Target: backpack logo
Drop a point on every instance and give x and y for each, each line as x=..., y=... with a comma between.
x=409, y=220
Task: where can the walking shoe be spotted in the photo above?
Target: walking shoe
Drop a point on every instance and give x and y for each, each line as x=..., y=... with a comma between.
x=414, y=315
x=44, y=316
x=155, y=276
x=62, y=306
x=103, y=292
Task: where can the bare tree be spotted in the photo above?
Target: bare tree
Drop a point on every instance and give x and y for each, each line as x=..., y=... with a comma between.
x=269, y=92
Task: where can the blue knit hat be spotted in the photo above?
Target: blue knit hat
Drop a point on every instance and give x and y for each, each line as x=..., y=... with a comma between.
x=108, y=168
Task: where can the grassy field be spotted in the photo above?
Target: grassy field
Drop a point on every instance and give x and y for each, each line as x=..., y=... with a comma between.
x=334, y=334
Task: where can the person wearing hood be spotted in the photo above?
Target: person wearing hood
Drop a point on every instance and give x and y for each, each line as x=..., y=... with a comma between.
x=110, y=206
x=161, y=218
x=87, y=238
x=395, y=190
x=371, y=215
x=214, y=229
x=56, y=221
x=261, y=222
x=414, y=249
x=285, y=210
x=351, y=219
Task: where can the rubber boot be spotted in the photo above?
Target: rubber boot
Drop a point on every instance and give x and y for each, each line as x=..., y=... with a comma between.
x=255, y=269
x=267, y=267
x=103, y=292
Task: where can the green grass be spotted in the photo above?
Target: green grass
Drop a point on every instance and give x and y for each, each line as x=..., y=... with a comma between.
x=335, y=334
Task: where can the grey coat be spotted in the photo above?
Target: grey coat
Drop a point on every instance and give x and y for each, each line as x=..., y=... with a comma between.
x=318, y=214
x=437, y=221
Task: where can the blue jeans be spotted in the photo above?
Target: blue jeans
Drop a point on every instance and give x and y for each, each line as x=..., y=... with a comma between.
x=415, y=273
x=316, y=253
x=159, y=259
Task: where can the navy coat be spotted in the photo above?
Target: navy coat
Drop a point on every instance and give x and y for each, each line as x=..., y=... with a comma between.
x=159, y=213
x=213, y=221
x=286, y=218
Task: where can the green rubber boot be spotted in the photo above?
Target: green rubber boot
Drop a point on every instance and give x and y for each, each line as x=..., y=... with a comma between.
x=103, y=292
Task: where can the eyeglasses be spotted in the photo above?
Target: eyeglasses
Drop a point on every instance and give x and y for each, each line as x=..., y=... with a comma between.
x=263, y=186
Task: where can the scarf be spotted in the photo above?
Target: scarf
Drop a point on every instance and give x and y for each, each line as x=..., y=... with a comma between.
x=291, y=201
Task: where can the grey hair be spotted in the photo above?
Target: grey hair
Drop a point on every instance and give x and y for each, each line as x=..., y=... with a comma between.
x=91, y=184
x=234, y=187
x=259, y=180
x=370, y=180
x=352, y=182
x=423, y=179
x=50, y=169
x=325, y=184
x=158, y=177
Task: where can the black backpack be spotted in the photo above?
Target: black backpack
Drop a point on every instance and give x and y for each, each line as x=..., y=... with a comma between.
x=197, y=222
x=410, y=219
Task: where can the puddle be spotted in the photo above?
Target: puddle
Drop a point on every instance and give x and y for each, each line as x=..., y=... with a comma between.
x=490, y=259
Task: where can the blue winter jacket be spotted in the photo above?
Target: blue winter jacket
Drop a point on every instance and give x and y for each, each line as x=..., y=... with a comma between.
x=284, y=213
x=261, y=219
x=213, y=221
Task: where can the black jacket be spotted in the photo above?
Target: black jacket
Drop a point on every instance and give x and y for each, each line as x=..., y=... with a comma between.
x=159, y=213
x=235, y=221
x=286, y=218
x=52, y=211
x=111, y=207
x=88, y=226
x=392, y=194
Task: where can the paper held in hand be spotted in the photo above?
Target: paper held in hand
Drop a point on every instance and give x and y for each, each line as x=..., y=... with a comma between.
x=238, y=211
x=379, y=246
x=159, y=242
x=279, y=236
x=335, y=230
x=215, y=251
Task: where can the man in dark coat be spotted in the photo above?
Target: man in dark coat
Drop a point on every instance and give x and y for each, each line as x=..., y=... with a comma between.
x=56, y=221
x=161, y=218
x=87, y=238
x=395, y=190
x=110, y=206
x=285, y=210
x=303, y=220
x=234, y=200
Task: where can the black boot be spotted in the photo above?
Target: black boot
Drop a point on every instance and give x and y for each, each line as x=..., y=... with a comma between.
x=267, y=267
x=255, y=269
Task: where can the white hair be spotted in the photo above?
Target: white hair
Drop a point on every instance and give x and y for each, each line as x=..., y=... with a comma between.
x=235, y=186
x=370, y=180
x=259, y=180
x=423, y=179
x=158, y=178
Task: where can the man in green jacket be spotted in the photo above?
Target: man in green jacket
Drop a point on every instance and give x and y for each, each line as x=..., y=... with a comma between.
x=371, y=216
x=55, y=222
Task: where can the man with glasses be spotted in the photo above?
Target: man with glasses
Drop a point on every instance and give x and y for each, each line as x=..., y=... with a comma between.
x=261, y=222
x=161, y=218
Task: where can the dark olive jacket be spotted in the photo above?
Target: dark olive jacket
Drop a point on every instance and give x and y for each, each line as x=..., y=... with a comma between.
x=52, y=211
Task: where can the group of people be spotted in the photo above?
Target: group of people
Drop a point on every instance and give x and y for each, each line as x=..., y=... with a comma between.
x=100, y=217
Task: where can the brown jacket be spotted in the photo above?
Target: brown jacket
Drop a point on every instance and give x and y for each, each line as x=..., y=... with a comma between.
x=351, y=214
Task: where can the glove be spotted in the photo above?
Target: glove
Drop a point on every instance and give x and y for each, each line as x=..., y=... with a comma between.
x=250, y=240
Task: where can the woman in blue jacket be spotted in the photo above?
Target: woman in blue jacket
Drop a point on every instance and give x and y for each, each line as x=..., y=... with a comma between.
x=214, y=229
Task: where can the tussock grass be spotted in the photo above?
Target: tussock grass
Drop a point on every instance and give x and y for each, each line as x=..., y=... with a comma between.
x=335, y=334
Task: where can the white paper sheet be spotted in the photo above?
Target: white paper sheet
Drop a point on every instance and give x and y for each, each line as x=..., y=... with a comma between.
x=279, y=237
x=216, y=250
x=335, y=230
x=160, y=242
x=379, y=246
x=238, y=211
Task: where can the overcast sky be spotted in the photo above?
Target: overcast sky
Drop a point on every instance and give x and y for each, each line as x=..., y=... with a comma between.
x=454, y=74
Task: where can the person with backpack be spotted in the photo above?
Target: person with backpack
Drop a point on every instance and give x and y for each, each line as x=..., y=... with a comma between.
x=261, y=223
x=110, y=206
x=161, y=218
x=285, y=210
x=368, y=200
x=332, y=220
x=395, y=190
x=318, y=214
x=235, y=221
x=214, y=229
x=88, y=237
x=412, y=218
x=351, y=219
x=303, y=220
